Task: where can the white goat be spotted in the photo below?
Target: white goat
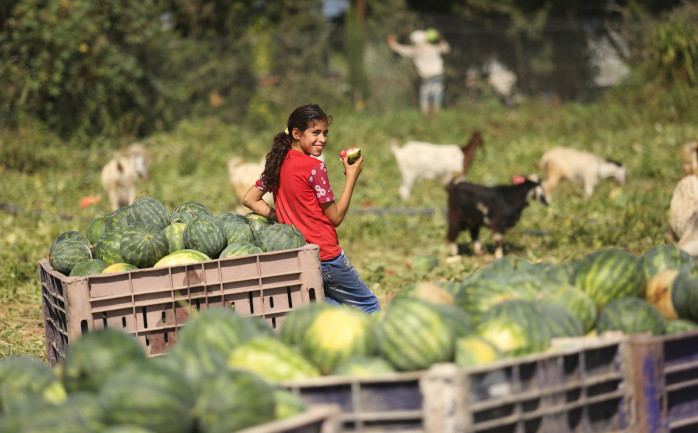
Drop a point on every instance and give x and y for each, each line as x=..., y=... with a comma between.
x=683, y=214
x=442, y=162
x=689, y=158
x=242, y=176
x=561, y=163
x=121, y=174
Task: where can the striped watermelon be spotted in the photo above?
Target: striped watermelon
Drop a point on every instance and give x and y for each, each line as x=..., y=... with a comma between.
x=195, y=366
x=576, y=301
x=427, y=291
x=607, y=275
x=119, y=267
x=205, y=234
x=65, y=254
x=561, y=321
x=296, y=323
x=227, y=217
x=175, y=236
x=662, y=257
x=472, y=350
x=97, y=355
x=233, y=400
x=96, y=229
x=194, y=208
x=412, y=334
x=217, y=329
x=143, y=245
x=148, y=395
x=88, y=267
x=108, y=246
x=288, y=404
x=279, y=237
x=258, y=223
x=679, y=326
x=181, y=257
x=684, y=293
x=42, y=417
x=659, y=292
x=336, y=334
x=24, y=378
x=238, y=231
x=237, y=249
x=481, y=294
x=181, y=218
x=515, y=328
x=148, y=210
x=117, y=219
x=631, y=315
x=70, y=234
x=272, y=359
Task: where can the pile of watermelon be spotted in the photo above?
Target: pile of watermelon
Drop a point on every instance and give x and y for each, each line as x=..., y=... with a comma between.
x=144, y=234
x=107, y=384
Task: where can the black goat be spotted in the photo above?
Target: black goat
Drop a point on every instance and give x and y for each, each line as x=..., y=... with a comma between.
x=498, y=207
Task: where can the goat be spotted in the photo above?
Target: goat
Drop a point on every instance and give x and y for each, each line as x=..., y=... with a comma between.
x=243, y=175
x=443, y=162
x=689, y=158
x=498, y=207
x=121, y=174
x=561, y=163
x=683, y=214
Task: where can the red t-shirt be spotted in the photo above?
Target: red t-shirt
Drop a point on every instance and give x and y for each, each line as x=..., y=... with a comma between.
x=303, y=185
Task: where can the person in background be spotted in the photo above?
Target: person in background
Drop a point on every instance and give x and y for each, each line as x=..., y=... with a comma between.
x=303, y=197
x=426, y=50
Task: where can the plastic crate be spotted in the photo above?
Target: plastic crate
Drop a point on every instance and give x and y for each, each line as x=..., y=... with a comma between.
x=665, y=372
x=386, y=402
x=153, y=303
x=579, y=387
x=317, y=419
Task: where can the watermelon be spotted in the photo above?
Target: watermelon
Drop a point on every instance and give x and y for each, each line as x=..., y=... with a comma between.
x=88, y=267
x=108, y=247
x=148, y=395
x=237, y=249
x=515, y=328
x=679, y=326
x=96, y=355
x=631, y=315
x=472, y=350
x=88, y=405
x=561, y=321
x=227, y=217
x=555, y=275
x=181, y=218
x=205, y=234
x=193, y=208
x=272, y=359
x=481, y=294
x=423, y=263
x=428, y=292
x=175, y=237
x=413, y=335
x=143, y=245
x=238, y=231
x=684, y=293
x=336, y=334
x=279, y=237
x=353, y=155
x=70, y=234
x=196, y=366
x=608, y=275
x=287, y=404
x=233, y=400
x=507, y=266
x=659, y=292
x=218, y=329
x=117, y=219
x=296, y=323
x=662, y=257
x=119, y=267
x=67, y=253
x=24, y=378
x=363, y=366
x=148, y=210
x=575, y=300
x=96, y=229
x=41, y=417
x=258, y=326
x=258, y=223
x=181, y=257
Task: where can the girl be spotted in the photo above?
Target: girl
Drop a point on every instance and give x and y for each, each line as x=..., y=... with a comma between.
x=303, y=197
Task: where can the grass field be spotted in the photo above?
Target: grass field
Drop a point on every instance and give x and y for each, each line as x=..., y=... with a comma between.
x=382, y=233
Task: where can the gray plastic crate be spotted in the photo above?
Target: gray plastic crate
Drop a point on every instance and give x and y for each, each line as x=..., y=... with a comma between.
x=153, y=303
x=317, y=419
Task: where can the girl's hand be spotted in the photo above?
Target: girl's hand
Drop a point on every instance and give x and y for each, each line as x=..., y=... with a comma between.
x=352, y=171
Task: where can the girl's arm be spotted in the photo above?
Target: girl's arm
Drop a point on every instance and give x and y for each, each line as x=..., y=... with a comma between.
x=253, y=200
x=336, y=210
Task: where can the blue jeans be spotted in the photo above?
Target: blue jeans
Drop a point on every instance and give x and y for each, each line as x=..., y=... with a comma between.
x=343, y=285
x=431, y=93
